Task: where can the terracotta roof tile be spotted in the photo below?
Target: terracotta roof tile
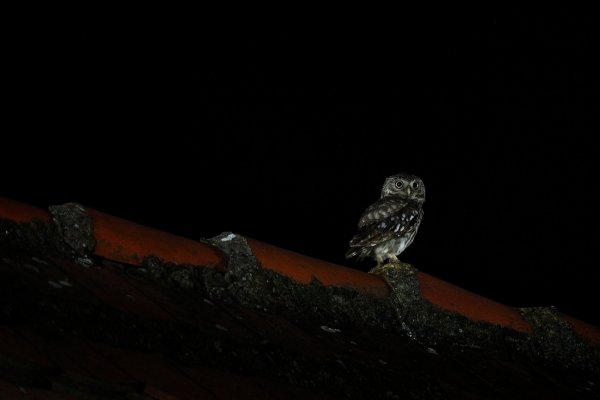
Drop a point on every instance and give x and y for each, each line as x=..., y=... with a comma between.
x=77, y=357
x=304, y=269
x=20, y=212
x=128, y=242
x=111, y=289
x=227, y=385
x=461, y=301
x=125, y=241
x=162, y=379
x=194, y=324
x=589, y=331
x=19, y=350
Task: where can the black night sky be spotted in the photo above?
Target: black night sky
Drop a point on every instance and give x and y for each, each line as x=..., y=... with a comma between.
x=287, y=136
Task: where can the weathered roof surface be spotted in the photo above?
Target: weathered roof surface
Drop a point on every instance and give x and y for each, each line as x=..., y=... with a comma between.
x=94, y=306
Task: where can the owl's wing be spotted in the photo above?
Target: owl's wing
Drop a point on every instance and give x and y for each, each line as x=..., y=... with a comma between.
x=385, y=222
x=382, y=209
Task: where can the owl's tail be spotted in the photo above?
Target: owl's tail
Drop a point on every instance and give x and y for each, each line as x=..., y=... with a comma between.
x=352, y=252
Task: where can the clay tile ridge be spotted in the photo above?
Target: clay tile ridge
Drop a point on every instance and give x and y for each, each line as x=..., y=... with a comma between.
x=125, y=241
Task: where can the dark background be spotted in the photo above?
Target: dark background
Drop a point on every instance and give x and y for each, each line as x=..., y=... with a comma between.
x=286, y=135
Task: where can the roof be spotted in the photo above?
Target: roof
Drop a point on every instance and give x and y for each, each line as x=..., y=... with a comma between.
x=94, y=306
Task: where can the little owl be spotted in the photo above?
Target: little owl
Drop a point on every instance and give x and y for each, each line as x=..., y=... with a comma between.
x=388, y=226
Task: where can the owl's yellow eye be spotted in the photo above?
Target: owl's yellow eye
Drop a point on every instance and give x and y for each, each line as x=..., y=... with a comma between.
x=415, y=184
x=399, y=184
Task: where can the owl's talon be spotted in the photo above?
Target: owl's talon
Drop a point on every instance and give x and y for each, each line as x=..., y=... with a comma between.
x=381, y=269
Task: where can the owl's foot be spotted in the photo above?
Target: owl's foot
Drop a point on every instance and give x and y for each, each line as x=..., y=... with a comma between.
x=380, y=269
x=394, y=259
x=391, y=262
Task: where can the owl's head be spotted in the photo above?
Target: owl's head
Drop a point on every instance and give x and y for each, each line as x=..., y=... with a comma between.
x=404, y=185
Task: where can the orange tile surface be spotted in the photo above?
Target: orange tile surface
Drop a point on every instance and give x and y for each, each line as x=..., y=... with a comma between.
x=586, y=330
x=304, y=269
x=455, y=299
x=110, y=288
x=162, y=379
x=16, y=348
x=20, y=212
x=124, y=241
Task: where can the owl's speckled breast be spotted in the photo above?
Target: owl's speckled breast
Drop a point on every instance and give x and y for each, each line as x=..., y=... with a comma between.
x=394, y=247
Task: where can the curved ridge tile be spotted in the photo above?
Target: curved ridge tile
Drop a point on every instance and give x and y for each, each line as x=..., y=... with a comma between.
x=303, y=269
x=473, y=306
x=21, y=212
x=584, y=329
x=125, y=241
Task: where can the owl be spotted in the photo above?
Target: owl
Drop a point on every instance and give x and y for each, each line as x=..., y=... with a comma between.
x=389, y=226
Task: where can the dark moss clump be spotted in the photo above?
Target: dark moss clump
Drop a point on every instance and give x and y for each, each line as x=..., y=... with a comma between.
x=75, y=228
x=555, y=341
x=70, y=234
x=246, y=282
x=36, y=236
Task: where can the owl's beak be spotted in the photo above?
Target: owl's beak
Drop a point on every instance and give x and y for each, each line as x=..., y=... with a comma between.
x=408, y=190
